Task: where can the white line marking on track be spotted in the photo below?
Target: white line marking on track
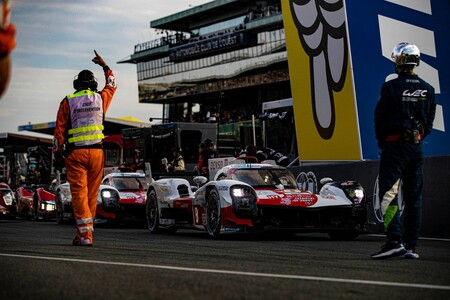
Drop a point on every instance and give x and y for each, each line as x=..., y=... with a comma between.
x=420, y=238
x=254, y=274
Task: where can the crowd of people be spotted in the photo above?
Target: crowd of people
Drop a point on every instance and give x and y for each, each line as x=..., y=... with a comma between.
x=207, y=151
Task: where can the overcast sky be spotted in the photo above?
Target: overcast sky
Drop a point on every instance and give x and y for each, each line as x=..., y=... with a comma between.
x=55, y=40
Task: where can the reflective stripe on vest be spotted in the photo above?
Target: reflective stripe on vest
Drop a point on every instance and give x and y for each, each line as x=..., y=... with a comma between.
x=85, y=129
x=86, y=115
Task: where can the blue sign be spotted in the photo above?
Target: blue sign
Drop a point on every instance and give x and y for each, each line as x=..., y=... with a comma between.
x=374, y=28
x=214, y=44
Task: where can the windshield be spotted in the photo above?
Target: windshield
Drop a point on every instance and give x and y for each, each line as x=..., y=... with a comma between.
x=128, y=183
x=266, y=177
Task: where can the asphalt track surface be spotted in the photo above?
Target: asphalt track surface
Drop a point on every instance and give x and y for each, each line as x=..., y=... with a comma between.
x=37, y=261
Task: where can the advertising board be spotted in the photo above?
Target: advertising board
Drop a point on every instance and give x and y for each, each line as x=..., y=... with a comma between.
x=339, y=56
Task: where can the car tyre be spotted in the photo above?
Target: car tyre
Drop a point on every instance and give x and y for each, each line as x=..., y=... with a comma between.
x=213, y=217
x=59, y=210
x=14, y=210
x=151, y=212
x=34, y=211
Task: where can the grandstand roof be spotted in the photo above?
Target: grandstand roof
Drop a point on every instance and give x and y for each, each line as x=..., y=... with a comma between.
x=23, y=139
x=203, y=15
x=112, y=125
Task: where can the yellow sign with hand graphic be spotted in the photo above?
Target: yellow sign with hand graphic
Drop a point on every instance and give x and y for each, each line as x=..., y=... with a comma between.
x=321, y=81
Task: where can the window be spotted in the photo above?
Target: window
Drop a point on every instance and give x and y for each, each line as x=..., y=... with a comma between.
x=190, y=139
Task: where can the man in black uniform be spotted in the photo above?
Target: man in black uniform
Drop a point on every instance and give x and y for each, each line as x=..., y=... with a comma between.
x=404, y=116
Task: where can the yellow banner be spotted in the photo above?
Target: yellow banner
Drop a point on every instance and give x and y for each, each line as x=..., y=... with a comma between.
x=321, y=80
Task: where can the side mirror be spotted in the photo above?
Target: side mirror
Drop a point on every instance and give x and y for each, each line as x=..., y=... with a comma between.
x=148, y=172
x=325, y=180
x=200, y=180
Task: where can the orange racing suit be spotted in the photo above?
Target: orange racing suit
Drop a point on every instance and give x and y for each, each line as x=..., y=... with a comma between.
x=77, y=125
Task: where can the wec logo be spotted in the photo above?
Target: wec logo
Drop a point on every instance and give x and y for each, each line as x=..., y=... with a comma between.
x=416, y=93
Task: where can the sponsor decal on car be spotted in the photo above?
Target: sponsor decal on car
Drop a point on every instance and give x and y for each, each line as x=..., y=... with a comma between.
x=301, y=199
x=286, y=201
x=127, y=195
x=166, y=221
x=232, y=229
x=131, y=196
x=291, y=198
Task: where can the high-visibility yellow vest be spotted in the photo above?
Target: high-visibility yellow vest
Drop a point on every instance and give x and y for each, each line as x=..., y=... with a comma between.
x=86, y=117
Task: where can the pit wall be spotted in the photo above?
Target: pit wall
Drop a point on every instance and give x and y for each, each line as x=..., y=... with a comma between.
x=436, y=201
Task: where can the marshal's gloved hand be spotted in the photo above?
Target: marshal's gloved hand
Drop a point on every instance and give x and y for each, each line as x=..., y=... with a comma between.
x=59, y=162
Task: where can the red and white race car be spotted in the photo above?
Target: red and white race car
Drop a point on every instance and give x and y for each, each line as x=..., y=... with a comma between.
x=132, y=188
x=253, y=197
x=36, y=202
x=121, y=195
x=7, y=201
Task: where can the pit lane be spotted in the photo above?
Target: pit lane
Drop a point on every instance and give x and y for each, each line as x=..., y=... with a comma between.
x=37, y=260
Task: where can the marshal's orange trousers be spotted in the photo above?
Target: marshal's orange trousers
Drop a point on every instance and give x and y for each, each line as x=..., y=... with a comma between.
x=84, y=169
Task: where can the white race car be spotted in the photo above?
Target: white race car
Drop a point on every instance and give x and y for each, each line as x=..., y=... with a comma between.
x=132, y=188
x=120, y=195
x=252, y=197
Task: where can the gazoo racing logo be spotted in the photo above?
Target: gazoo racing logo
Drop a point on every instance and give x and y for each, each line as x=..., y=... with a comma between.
x=299, y=199
x=413, y=96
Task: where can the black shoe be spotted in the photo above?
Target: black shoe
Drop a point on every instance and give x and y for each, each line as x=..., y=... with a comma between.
x=76, y=242
x=390, y=249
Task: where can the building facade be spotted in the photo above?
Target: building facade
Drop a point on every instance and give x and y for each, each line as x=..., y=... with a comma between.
x=216, y=62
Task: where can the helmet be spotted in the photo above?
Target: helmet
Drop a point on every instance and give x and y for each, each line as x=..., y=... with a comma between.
x=85, y=79
x=32, y=166
x=406, y=54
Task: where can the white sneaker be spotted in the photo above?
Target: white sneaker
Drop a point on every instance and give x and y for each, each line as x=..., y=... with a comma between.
x=85, y=242
x=411, y=254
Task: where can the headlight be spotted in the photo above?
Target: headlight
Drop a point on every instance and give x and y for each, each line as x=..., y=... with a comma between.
x=8, y=198
x=244, y=201
x=356, y=194
x=110, y=199
x=106, y=194
x=352, y=190
x=110, y=194
x=47, y=206
x=238, y=192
